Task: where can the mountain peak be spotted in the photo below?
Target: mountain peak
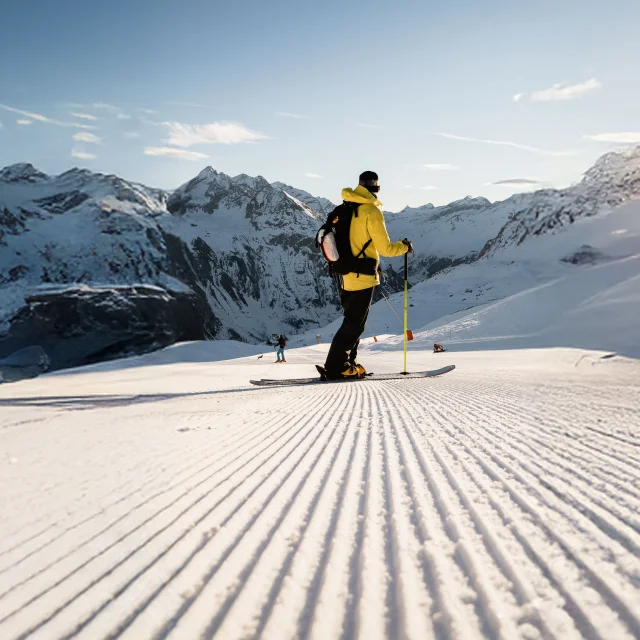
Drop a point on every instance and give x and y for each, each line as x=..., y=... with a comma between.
x=22, y=172
x=614, y=164
x=208, y=172
x=256, y=183
x=421, y=208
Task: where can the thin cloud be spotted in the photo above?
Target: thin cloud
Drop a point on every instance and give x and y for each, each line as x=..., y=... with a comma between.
x=317, y=176
x=565, y=91
x=107, y=107
x=151, y=123
x=368, y=126
x=82, y=155
x=506, y=143
x=84, y=116
x=30, y=115
x=170, y=152
x=440, y=167
x=516, y=182
x=83, y=136
x=131, y=134
x=295, y=116
x=622, y=137
x=186, y=135
x=24, y=122
x=147, y=111
x=428, y=187
x=113, y=110
x=195, y=105
x=518, y=97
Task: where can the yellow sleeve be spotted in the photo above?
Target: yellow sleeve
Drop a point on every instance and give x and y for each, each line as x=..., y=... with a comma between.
x=378, y=232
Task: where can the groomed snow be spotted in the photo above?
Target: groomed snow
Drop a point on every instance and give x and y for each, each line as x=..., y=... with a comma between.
x=163, y=497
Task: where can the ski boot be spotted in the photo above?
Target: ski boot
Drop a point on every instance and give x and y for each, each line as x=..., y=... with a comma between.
x=361, y=370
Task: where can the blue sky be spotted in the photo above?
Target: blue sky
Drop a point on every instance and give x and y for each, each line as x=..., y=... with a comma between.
x=442, y=99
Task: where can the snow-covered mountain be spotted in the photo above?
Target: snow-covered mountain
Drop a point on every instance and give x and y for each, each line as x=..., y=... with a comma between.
x=579, y=287
x=93, y=266
x=465, y=230
x=320, y=205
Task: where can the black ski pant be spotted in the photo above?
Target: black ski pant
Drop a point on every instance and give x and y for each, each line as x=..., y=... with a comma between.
x=344, y=347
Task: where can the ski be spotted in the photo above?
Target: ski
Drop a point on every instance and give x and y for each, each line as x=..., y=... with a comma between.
x=371, y=377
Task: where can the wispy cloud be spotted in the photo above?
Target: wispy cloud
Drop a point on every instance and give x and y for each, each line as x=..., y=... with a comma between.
x=507, y=143
x=565, y=91
x=516, y=182
x=82, y=155
x=147, y=111
x=622, y=137
x=518, y=97
x=84, y=116
x=30, y=115
x=170, y=152
x=111, y=109
x=368, y=126
x=427, y=187
x=186, y=135
x=195, y=105
x=107, y=107
x=83, y=136
x=314, y=175
x=24, y=122
x=440, y=167
x=131, y=134
x=152, y=123
x=295, y=116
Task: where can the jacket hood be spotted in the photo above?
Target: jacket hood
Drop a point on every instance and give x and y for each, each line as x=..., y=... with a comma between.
x=360, y=195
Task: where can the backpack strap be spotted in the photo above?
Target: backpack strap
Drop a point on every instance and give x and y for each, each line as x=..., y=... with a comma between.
x=364, y=248
x=366, y=244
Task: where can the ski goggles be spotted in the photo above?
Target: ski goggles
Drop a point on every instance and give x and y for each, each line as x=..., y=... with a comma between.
x=371, y=185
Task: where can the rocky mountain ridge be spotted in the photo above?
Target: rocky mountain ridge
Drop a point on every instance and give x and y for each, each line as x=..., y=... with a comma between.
x=93, y=266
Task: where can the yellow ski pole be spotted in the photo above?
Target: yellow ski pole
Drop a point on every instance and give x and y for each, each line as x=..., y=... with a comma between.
x=406, y=300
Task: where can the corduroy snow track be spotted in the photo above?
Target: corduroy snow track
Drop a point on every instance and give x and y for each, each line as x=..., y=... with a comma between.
x=483, y=504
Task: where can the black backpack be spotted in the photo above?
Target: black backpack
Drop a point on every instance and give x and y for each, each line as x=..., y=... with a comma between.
x=333, y=240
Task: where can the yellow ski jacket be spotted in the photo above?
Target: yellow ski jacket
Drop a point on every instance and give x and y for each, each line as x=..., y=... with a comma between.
x=369, y=224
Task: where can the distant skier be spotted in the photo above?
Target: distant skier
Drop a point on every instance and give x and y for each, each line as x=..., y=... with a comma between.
x=437, y=348
x=368, y=238
x=282, y=343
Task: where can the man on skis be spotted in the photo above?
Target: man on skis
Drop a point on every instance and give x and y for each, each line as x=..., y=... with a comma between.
x=367, y=226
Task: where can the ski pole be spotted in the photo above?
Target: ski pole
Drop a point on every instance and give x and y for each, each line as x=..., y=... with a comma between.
x=406, y=299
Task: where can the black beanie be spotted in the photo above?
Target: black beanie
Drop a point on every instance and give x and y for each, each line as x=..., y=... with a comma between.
x=369, y=180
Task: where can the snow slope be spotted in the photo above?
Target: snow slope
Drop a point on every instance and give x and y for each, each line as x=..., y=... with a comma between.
x=580, y=288
x=168, y=499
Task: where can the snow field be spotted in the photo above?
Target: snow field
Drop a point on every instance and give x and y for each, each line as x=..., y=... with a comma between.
x=171, y=500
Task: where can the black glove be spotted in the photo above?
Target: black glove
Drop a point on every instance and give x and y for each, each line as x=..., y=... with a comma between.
x=408, y=243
